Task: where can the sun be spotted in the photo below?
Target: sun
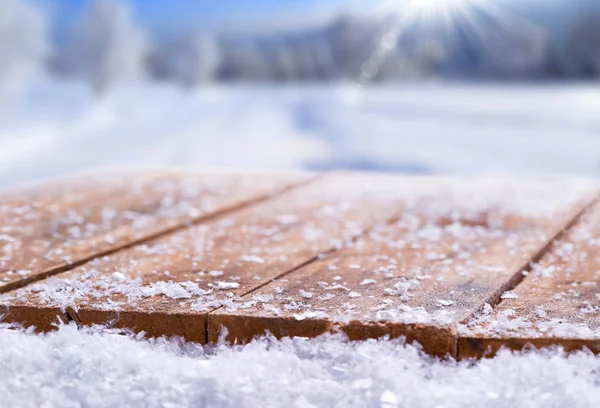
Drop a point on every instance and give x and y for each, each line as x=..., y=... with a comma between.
x=432, y=8
x=431, y=30
x=432, y=4
x=416, y=6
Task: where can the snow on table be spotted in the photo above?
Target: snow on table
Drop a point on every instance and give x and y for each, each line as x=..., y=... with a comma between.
x=416, y=277
x=558, y=302
x=49, y=227
x=366, y=254
x=149, y=284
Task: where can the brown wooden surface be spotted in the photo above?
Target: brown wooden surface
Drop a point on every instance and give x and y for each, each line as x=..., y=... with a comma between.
x=244, y=250
x=415, y=278
x=91, y=218
x=368, y=255
x=43, y=201
x=558, y=302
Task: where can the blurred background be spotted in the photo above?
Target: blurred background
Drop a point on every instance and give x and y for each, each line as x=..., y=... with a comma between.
x=416, y=86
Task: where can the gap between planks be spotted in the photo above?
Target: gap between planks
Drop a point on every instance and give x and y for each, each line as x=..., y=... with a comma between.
x=519, y=276
x=513, y=282
x=315, y=258
x=167, y=231
x=495, y=299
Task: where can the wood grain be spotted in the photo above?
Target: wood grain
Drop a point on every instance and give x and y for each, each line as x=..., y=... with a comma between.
x=187, y=273
x=417, y=278
x=100, y=214
x=363, y=254
x=557, y=304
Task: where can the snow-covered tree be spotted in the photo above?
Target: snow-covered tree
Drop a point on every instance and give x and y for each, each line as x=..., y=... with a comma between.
x=350, y=46
x=107, y=46
x=581, y=57
x=244, y=61
x=321, y=59
x=203, y=59
x=23, y=41
x=191, y=59
x=518, y=52
x=283, y=62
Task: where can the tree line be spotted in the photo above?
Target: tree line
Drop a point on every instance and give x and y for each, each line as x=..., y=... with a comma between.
x=105, y=46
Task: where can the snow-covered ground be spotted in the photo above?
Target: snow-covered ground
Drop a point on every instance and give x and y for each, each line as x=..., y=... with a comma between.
x=461, y=129
x=88, y=368
x=424, y=128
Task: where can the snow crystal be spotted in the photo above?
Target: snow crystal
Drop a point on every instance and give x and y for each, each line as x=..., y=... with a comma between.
x=118, y=277
x=487, y=309
x=287, y=219
x=388, y=399
x=327, y=296
x=262, y=298
x=509, y=294
x=334, y=286
x=401, y=288
x=227, y=285
x=506, y=323
x=305, y=294
x=252, y=258
x=542, y=271
x=309, y=314
x=367, y=281
x=215, y=273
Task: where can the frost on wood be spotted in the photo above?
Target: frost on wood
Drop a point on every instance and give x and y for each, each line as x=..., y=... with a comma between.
x=226, y=256
x=436, y=265
x=62, y=222
x=559, y=297
x=390, y=275
x=340, y=250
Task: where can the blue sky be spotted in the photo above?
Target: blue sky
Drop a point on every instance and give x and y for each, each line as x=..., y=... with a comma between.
x=229, y=15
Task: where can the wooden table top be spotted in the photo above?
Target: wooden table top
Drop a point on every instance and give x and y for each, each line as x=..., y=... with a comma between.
x=463, y=266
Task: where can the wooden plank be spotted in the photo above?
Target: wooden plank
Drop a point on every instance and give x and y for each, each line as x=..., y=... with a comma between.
x=102, y=214
x=38, y=201
x=558, y=302
x=35, y=202
x=190, y=272
x=443, y=260
x=466, y=251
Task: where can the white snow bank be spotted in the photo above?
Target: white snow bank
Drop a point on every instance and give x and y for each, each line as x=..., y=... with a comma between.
x=55, y=128
x=94, y=367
